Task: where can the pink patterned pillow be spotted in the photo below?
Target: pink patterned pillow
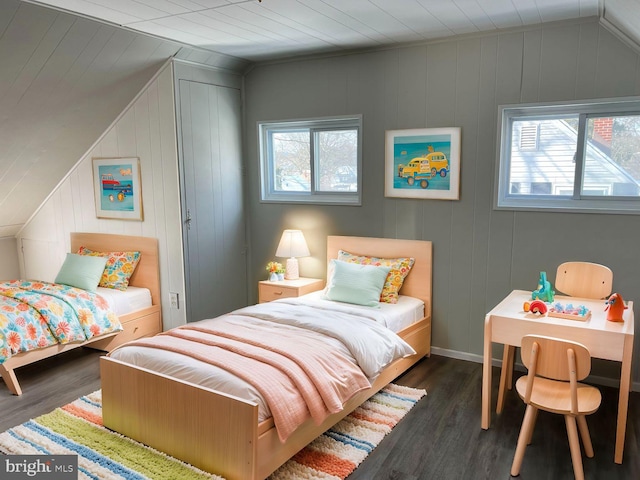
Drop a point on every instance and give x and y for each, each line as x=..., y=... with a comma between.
x=400, y=268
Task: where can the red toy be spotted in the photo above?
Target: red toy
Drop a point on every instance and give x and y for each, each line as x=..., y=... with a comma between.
x=615, y=308
x=537, y=306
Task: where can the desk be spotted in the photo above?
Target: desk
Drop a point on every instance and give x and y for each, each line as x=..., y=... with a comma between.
x=507, y=323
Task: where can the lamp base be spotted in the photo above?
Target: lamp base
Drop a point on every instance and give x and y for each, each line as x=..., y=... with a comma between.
x=291, y=269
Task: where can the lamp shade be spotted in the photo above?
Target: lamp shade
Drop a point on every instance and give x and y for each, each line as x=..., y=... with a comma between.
x=292, y=245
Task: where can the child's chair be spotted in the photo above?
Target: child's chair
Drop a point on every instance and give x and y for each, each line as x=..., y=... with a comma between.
x=552, y=384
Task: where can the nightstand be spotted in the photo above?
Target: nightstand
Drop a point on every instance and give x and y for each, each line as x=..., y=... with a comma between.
x=268, y=291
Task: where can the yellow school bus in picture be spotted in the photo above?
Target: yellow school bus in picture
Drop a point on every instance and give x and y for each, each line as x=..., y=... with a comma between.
x=424, y=167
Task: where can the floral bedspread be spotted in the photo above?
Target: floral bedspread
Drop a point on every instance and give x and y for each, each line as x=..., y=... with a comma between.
x=38, y=314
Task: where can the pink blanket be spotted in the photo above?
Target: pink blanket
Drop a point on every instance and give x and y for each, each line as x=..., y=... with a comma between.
x=298, y=376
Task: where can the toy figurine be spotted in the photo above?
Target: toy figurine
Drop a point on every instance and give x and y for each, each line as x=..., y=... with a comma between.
x=615, y=308
x=544, y=291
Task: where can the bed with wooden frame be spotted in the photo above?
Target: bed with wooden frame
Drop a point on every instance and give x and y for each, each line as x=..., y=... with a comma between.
x=147, y=321
x=220, y=433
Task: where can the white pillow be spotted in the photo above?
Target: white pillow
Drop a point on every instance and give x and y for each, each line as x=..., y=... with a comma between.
x=355, y=283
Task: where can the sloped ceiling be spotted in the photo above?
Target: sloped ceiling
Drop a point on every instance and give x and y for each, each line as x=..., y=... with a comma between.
x=63, y=80
x=69, y=67
x=260, y=30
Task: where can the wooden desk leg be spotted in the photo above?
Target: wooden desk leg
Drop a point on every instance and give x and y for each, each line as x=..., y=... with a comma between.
x=510, y=364
x=623, y=399
x=506, y=375
x=486, y=375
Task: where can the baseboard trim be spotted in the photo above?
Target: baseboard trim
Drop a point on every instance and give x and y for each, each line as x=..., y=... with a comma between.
x=472, y=357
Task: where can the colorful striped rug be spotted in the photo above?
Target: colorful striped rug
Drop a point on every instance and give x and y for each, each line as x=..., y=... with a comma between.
x=77, y=429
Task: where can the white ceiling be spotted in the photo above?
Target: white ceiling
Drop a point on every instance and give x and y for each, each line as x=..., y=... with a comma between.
x=262, y=30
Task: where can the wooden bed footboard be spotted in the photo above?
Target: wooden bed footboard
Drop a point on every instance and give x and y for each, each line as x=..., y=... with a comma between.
x=214, y=431
x=25, y=358
x=210, y=430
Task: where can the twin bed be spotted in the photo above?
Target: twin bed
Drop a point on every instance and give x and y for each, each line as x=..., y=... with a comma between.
x=137, y=308
x=167, y=399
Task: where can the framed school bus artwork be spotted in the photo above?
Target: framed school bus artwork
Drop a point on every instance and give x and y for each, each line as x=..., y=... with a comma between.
x=423, y=163
x=117, y=188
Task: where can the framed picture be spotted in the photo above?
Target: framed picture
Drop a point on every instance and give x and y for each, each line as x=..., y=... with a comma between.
x=117, y=188
x=423, y=163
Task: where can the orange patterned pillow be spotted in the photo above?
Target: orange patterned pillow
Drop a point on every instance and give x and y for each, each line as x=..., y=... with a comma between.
x=119, y=267
x=400, y=268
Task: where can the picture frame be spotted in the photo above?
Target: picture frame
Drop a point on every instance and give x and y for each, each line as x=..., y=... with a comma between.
x=117, y=188
x=423, y=163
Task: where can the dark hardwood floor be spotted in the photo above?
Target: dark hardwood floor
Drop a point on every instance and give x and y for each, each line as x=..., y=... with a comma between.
x=49, y=384
x=440, y=438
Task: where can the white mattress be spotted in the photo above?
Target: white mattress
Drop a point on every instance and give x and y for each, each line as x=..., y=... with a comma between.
x=127, y=301
x=408, y=310
x=399, y=315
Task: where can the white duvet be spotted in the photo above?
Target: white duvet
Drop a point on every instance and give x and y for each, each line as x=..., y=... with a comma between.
x=361, y=335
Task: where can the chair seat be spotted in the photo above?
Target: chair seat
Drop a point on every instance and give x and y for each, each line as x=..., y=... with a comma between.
x=555, y=396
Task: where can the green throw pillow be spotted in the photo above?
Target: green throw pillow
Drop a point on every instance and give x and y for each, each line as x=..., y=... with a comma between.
x=357, y=284
x=81, y=271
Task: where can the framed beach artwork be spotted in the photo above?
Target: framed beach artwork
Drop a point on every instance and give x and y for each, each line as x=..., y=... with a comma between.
x=117, y=188
x=423, y=163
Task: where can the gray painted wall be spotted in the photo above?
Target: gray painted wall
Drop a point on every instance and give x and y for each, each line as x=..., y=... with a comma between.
x=480, y=254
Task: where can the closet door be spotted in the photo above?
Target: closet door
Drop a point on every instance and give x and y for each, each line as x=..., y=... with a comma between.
x=212, y=200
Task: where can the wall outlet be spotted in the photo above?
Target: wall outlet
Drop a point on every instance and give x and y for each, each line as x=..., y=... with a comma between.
x=174, y=301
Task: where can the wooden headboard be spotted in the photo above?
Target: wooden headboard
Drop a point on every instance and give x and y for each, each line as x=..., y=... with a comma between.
x=146, y=274
x=418, y=282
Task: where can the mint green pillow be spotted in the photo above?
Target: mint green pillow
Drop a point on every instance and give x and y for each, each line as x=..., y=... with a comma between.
x=81, y=271
x=355, y=283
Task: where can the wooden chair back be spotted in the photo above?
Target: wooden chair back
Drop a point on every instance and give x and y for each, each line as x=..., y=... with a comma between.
x=549, y=358
x=556, y=359
x=584, y=280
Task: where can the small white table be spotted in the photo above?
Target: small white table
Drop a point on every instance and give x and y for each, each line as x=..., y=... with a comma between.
x=507, y=323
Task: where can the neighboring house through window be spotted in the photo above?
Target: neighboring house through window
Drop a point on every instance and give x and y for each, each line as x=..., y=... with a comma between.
x=311, y=161
x=579, y=156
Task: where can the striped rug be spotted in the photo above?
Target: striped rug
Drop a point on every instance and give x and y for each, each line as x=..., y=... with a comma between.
x=337, y=452
x=77, y=429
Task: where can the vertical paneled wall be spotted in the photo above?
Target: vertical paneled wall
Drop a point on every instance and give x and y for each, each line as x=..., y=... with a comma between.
x=9, y=268
x=146, y=129
x=480, y=254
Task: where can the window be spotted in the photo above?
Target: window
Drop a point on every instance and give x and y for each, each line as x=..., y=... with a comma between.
x=311, y=161
x=579, y=156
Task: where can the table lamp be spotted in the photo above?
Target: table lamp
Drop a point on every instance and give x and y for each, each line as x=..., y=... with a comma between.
x=292, y=245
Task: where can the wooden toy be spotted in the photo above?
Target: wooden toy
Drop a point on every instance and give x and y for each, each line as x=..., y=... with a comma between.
x=537, y=306
x=615, y=308
x=570, y=312
x=544, y=291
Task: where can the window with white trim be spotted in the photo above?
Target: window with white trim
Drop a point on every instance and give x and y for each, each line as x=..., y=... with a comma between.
x=581, y=156
x=311, y=161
